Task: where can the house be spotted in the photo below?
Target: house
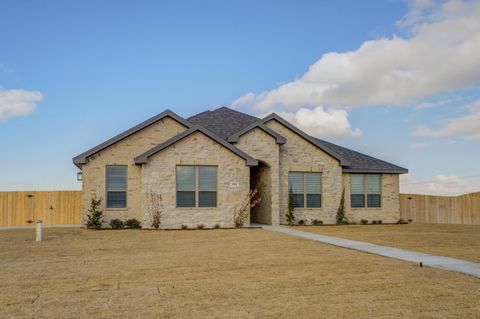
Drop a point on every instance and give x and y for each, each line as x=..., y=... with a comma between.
x=204, y=166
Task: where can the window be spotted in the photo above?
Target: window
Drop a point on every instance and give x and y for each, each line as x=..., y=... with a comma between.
x=116, y=186
x=306, y=189
x=365, y=190
x=196, y=186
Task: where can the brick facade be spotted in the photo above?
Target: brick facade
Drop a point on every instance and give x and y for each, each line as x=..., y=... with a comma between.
x=277, y=160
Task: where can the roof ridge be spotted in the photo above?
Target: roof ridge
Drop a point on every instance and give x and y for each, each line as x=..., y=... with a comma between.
x=233, y=110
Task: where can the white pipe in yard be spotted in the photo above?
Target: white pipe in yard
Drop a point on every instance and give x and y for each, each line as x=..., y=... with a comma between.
x=38, y=230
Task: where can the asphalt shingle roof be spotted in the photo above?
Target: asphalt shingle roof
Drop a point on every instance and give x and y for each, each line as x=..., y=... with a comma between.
x=359, y=161
x=225, y=122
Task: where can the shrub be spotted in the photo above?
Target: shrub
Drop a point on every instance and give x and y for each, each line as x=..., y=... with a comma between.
x=132, y=223
x=402, y=221
x=240, y=215
x=200, y=226
x=184, y=226
x=154, y=208
x=379, y=221
x=95, y=218
x=301, y=222
x=216, y=226
x=316, y=222
x=364, y=221
x=341, y=218
x=374, y=222
x=116, y=224
x=291, y=209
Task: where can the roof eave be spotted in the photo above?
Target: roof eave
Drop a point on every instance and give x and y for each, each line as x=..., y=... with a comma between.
x=399, y=170
x=279, y=139
x=274, y=116
x=143, y=158
x=82, y=158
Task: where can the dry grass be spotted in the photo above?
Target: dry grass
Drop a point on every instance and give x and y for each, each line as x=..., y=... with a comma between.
x=216, y=274
x=457, y=241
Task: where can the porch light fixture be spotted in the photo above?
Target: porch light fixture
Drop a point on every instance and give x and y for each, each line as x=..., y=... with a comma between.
x=79, y=176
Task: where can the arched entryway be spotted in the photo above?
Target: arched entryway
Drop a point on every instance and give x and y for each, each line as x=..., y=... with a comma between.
x=260, y=179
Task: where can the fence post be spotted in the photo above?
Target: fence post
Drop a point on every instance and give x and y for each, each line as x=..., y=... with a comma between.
x=38, y=230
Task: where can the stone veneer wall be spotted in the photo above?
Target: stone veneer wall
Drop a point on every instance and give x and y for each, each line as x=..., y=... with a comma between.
x=159, y=176
x=263, y=147
x=123, y=153
x=299, y=155
x=389, y=212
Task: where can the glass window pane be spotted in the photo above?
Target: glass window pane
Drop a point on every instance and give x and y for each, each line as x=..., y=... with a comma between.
x=186, y=199
x=314, y=183
x=373, y=200
x=298, y=200
x=295, y=183
x=373, y=184
x=356, y=184
x=314, y=200
x=116, y=178
x=207, y=199
x=207, y=178
x=357, y=200
x=116, y=199
x=186, y=178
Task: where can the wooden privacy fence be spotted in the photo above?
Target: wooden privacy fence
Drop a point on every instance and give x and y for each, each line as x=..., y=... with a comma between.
x=53, y=208
x=464, y=209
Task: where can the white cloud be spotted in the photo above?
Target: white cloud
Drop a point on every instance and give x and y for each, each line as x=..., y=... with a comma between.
x=440, y=185
x=441, y=55
x=416, y=13
x=319, y=122
x=417, y=146
x=466, y=126
x=18, y=102
x=426, y=105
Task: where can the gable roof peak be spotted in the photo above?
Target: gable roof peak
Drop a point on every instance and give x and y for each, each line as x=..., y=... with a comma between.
x=81, y=159
x=143, y=158
x=223, y=121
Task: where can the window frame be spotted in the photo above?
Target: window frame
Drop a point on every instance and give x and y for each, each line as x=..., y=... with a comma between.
x=305, y=191
x=197, y=187
x=107, y=190
x=365, y=191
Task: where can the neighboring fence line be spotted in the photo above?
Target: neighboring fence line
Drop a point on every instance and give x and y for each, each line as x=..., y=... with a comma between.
x=64, y=208
x=463, y=209
x=52, y=207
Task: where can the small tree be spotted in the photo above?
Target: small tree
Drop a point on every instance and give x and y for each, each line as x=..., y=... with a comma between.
x=341, y=218
x=240, y=215
x=95, y=218
x=154, y=208
x=291, y=208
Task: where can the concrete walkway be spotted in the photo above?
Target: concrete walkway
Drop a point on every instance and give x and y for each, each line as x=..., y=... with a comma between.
x=446, y=263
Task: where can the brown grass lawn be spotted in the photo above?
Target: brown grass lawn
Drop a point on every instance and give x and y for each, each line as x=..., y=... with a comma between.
x=457, y=241
x=76, y=273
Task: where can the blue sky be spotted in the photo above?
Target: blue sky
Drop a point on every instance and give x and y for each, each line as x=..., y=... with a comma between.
x=402, y=85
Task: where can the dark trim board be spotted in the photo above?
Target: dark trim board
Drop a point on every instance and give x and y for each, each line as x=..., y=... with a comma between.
x=276, y=117
x=82, y=158
x=143, y=158
x=279, y=138
x=375, y=171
